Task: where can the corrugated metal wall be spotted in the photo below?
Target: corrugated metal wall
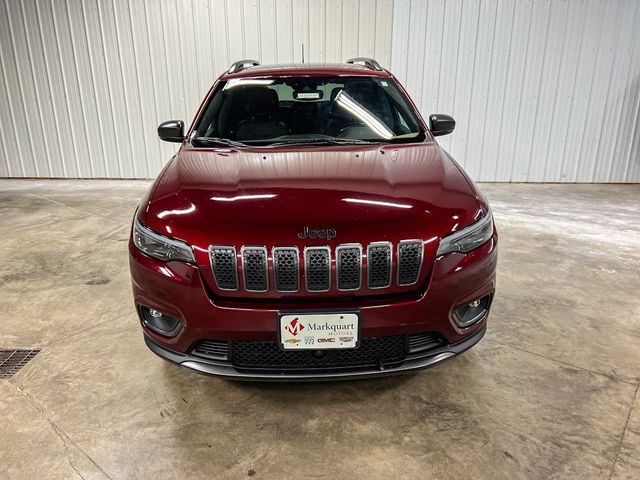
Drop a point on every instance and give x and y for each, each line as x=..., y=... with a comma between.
x=544, y=90
x=541, y=90
x=84, y=83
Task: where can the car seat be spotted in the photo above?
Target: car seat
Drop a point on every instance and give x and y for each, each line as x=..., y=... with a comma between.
x=260, y=104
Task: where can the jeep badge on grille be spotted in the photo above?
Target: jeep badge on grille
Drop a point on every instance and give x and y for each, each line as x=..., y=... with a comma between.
x=328, y=233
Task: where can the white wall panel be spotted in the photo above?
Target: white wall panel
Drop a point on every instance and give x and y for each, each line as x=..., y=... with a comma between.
x=84, y=83
x=544, y=90
x=541, y=90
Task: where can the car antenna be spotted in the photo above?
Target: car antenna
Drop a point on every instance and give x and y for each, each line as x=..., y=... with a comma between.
x=303, y=53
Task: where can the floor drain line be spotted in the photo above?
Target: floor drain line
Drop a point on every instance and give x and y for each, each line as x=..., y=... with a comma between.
x=13, y=359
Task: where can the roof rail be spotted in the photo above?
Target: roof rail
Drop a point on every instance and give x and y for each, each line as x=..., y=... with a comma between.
x=241, y=65
x=367, y=62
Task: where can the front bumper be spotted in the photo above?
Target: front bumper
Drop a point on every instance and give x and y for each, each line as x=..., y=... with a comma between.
x=224, y=369
x=177, y=289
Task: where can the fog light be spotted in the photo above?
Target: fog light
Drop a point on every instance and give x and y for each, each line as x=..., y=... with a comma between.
x=473, y=312
x=159, y=322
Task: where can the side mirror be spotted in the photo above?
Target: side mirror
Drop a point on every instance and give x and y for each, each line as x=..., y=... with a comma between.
x=441, y=124
x=171, y=131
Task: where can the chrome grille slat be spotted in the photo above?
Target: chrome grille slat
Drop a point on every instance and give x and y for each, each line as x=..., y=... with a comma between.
x=409, y=259
x=224, y=265
x=379, y=265
x=317, y=269
x=254, y=269
x=286, y=268
x=349, y=267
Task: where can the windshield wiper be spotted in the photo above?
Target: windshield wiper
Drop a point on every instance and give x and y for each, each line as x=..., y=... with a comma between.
x=328, y=140
x=218, y=142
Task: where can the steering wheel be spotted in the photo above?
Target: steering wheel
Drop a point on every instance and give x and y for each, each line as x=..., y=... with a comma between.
x=350, y=126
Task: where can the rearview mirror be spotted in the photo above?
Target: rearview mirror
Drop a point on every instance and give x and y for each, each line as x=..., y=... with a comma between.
x=441, y=124
x=171, y=131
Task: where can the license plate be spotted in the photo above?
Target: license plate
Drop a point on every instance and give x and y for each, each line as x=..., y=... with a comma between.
x=318, y=331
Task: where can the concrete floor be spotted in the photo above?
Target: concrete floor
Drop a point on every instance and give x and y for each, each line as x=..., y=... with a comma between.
x=551, y=391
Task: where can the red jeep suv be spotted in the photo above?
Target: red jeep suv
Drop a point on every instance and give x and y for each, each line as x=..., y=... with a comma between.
x=310, y=227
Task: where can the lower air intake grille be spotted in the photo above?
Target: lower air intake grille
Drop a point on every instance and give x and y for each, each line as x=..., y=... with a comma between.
x=409, y=261
x=349, y=267
x=372, y=352
x=379, y=265
x=317, y=268
x=254, y=269
x=224, y=266
x=286, y=269
x=421, y=342
x=267, y=355
x=214, y=349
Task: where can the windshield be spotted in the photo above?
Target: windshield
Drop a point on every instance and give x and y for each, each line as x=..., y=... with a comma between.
x=299, y=110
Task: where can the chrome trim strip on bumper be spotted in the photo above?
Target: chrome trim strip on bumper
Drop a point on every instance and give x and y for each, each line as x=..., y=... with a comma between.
x=412, y=363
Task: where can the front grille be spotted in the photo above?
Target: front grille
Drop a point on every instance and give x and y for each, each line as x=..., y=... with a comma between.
x=372, y=352
x=286, y=269
x=317, y=264
x=254, y=269
x=349, y=267
x=409, y=261
x=379, y=265
x=225, y=266
x=214, y=349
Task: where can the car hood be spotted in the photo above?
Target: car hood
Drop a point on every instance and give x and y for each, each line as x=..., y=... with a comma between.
x=268, y=196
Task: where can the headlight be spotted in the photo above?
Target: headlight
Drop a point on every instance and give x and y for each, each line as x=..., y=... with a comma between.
x=469, y=238
x=160, y=247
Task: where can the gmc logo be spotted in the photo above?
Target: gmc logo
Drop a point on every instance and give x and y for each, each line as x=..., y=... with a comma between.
x=328, y=233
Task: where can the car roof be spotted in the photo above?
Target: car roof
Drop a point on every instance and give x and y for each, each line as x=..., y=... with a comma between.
x=306, y=69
